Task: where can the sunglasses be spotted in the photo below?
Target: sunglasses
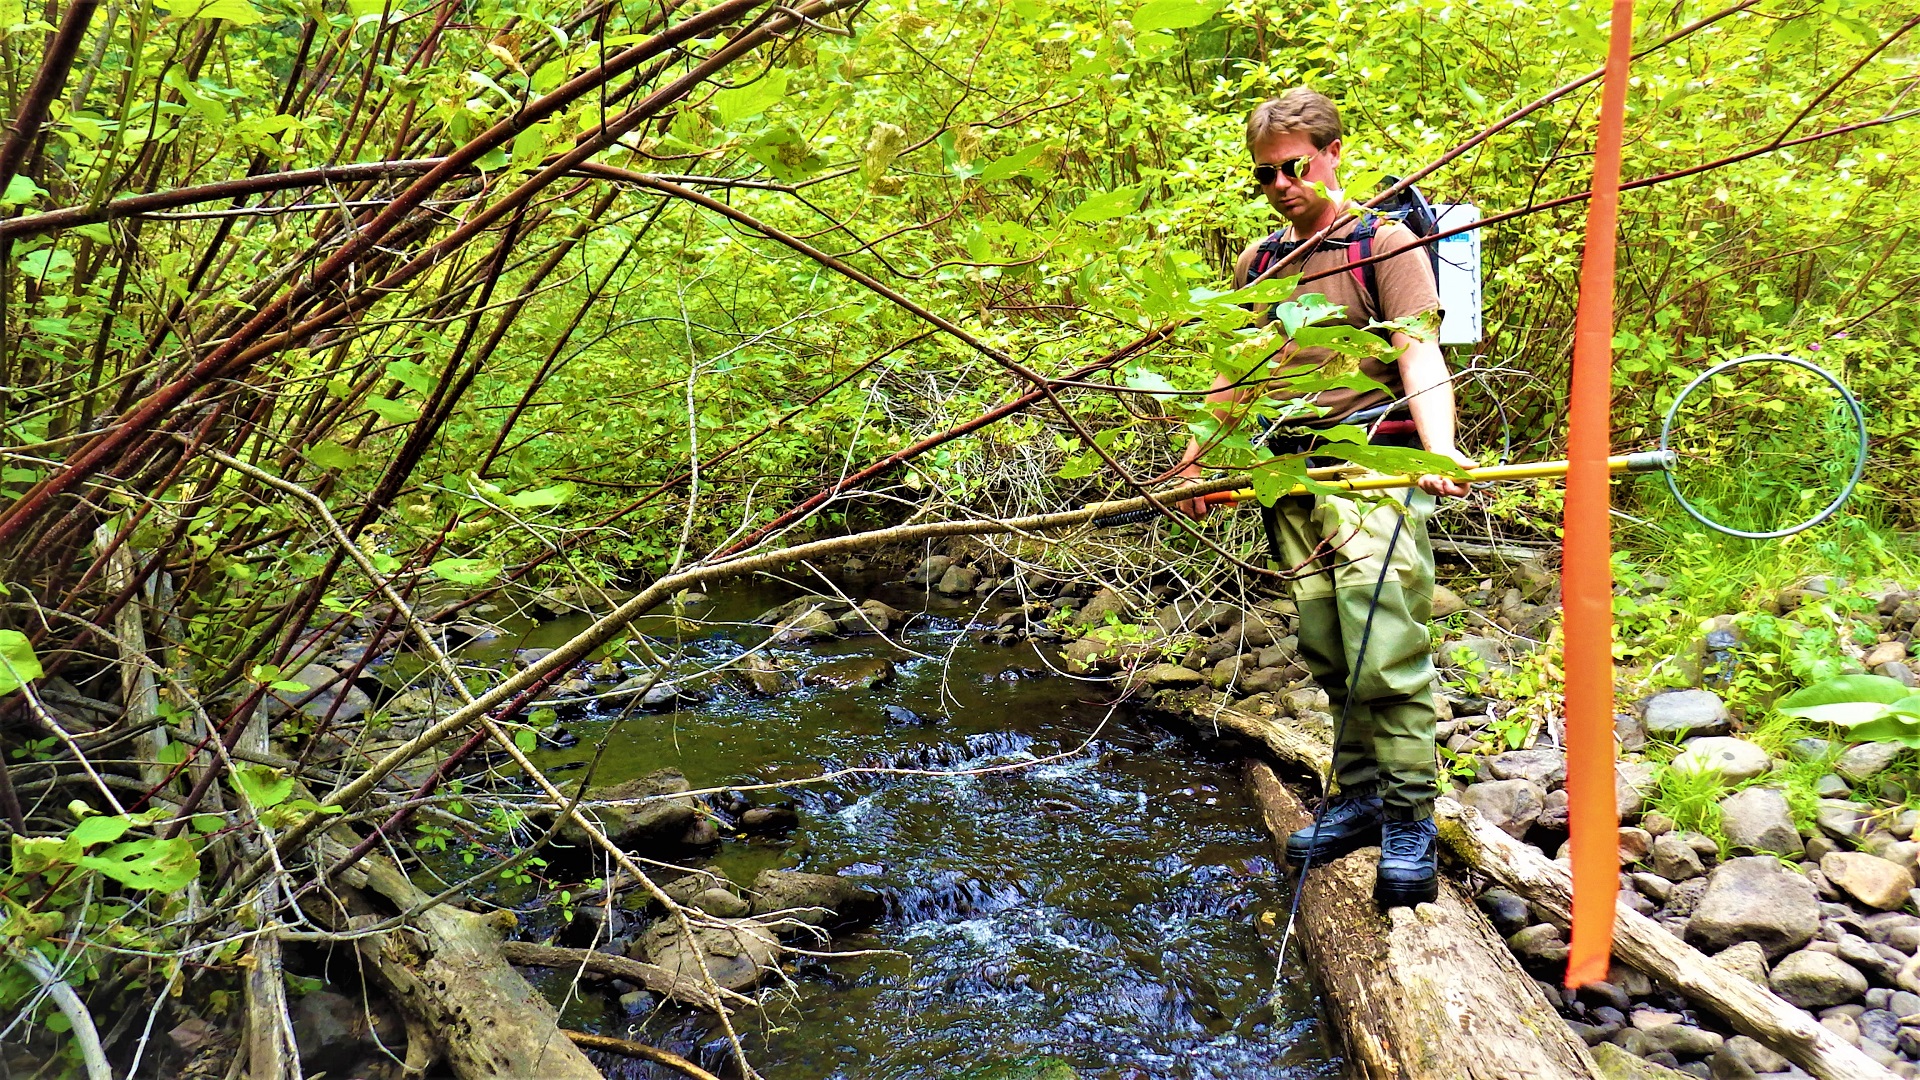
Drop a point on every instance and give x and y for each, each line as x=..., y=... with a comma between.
x=1291, y=169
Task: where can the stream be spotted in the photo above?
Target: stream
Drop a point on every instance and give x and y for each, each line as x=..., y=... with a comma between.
x=1094, y=916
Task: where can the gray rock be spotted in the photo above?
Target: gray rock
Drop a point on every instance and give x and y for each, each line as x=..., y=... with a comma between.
x=1754, y=899
x=1757, y=819
x=957, y=581
x=1815, y=980
x=1652, y=886
x=1513, y=806
x=1681, y=714
x=721, y=903
x=1867, y=760
x=1752, y=1054
x=814, y=899
x=1630, y=732
x=1542, y=943
x=808, y=624
x=1899, y=670
x=1446, y=602
x=1809, y=749
x=739, y=953
x=1747, y=960
x=1633, y=782
x=1545, y=767
x=1842, y=1024
x=1484, y=650
x=852, y=673
x=1903, y=1003
x=1735, y=759
x=332, y=687
x=1553, y=811
x=1507, y=911
x=1683, y=1041
x=1170, y=677
x=1894, y=928
x=1838, y=819
x=1674, y=858
x=930, y=571
x=1105, y=602
x=658, y=816
x=1869, y=879
x=1868, y=957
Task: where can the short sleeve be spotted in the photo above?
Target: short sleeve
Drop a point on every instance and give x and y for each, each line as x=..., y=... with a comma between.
x=1405, y=281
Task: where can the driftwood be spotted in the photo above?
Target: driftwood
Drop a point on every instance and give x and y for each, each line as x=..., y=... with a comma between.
x=1646, y=945
x=446, y=973
x=608, y=966
x=1430, y=991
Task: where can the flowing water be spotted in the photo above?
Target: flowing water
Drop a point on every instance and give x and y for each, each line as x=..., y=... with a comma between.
x=1095, y=914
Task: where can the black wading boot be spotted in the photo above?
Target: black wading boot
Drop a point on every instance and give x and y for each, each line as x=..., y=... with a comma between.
x=1350, y=823
x=1409, y=863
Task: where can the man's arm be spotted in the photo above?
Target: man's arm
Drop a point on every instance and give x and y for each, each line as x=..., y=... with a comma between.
x=1423, y=372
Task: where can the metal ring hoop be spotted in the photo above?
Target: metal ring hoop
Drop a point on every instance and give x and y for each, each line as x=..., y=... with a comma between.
x=1846, y=492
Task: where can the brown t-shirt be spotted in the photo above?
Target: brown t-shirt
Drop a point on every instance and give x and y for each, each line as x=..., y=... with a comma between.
x=1406, y=288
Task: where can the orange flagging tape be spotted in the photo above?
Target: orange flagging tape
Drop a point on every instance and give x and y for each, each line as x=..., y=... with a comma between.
x=1587, y=576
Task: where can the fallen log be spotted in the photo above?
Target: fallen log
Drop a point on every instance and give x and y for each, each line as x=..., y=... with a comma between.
x=1639, y=941
x=1429, y=991
x=446, y=972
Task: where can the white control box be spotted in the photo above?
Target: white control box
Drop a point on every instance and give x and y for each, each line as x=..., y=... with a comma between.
x=1459, y=274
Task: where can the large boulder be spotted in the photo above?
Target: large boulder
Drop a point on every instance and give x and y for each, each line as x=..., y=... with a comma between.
x=1815, y=980
x=1754, y=899
x=1682, y=714
x=739, y=953
x=1757, y=819
x=656, y=815
x=1867, y=760
x=1875, y=882
x=1512, y=806
x=1545, y=766
x=813, y=899
x=1104, y=603
x=332, y=686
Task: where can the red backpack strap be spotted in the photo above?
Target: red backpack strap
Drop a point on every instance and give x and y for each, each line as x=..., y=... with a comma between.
x=1270, y=251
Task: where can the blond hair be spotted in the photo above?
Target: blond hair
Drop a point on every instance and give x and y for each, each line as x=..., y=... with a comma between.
x=1299, y=109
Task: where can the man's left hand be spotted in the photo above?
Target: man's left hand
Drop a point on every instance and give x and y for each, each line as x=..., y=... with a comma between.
x=1437, y=484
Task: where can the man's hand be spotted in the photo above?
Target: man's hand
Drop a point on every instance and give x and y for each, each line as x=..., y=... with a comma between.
x=1436, y=484
x=1190, y=470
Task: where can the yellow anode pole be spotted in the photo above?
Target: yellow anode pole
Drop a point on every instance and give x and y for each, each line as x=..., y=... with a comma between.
x=1648, y=461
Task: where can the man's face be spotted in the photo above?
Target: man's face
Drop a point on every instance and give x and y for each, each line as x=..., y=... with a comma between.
x=1296, y=198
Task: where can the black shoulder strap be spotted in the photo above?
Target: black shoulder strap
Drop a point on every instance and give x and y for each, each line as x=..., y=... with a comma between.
x=1271, y=250
x=1362, y=239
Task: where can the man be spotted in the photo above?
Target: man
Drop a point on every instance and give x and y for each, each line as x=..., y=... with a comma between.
x=1384, y=764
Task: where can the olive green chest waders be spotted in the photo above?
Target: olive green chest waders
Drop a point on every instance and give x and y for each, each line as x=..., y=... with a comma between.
x=1354, y=553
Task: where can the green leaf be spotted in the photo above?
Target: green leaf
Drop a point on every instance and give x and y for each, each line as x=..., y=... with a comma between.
x=331, y=456
x=53, y=263
x=1396, y=460
x=1142, y=379
x=1107, y=205
x=1016, y=163
x=553, y=495
x=394, y=412
x=154, y=865
x=751, y=100
x=21, y=189
x=1174, y=14
x=1275, y=477
x=18, y=665
x=99, y=830
x=1844, y=689
x=263, y=785
x=237, y=12
x=526, y=740
x=467, y=571
x=412, y=376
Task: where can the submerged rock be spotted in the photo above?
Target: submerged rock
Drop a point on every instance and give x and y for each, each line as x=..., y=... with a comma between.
x=854, y=673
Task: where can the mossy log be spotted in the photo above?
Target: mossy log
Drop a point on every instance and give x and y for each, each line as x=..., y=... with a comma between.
x=1429, y=991
x=1639, y=941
